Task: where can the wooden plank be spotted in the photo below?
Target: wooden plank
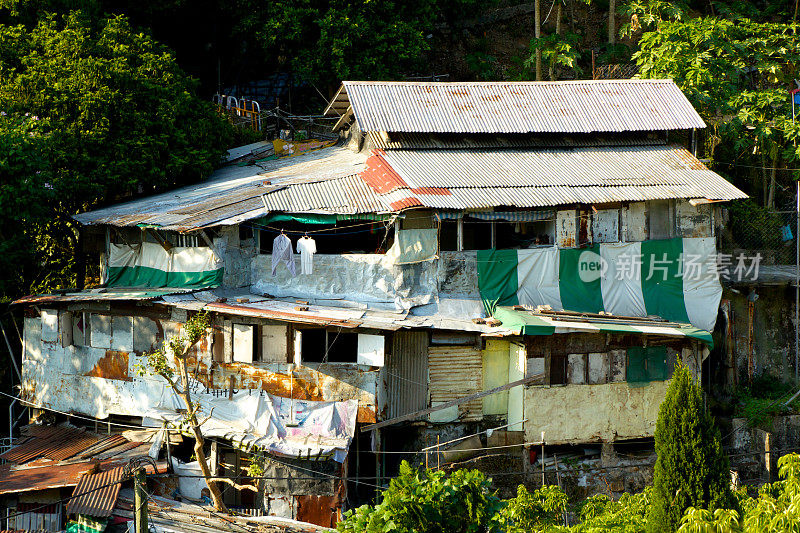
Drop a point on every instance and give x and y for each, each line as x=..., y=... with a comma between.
x=458, y=401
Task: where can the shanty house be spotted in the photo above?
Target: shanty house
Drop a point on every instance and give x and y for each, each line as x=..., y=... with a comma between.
x=555, y=240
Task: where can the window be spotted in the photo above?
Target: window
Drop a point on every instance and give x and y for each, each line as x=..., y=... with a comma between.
x=558, y=369
x=516, y=235
x=337, y=346
x=258, y=343
x=660, y=219
x=448, y=235
x=243, y=343
x=272, y=346
x=647, y=364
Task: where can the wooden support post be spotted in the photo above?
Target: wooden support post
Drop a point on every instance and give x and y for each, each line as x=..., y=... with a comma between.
x=542, y=459
x=768, y=455
x=140, y=501
x=378, y=463
x=526, y=462
x=214, y=458
x=169, y=451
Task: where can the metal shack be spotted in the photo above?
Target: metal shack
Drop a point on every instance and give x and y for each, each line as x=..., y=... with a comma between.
x=545, y=239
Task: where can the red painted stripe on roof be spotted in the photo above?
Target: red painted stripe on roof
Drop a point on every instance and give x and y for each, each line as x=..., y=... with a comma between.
x=405, y=203
x=381, y=176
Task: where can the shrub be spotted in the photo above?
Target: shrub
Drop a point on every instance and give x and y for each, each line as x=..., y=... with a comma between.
x=535, y=511
x=691, y=469
x=429, y=501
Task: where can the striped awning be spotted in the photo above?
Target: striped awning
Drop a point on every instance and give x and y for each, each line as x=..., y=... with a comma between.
x=509, y=216
x=529, y=323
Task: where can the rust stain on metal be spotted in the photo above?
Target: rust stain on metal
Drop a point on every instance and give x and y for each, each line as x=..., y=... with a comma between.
x=366, y=415
x=114, y=365
x=583, y=230
x=320, y=510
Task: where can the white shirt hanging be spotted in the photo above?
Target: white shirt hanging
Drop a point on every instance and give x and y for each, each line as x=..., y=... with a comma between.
x=282, y=251
x=306, y=247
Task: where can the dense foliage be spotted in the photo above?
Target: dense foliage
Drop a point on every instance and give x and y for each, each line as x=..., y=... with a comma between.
x=431, y=501
x=691, y=469
x=91, y=111
x=738, y=75
x=433, y=505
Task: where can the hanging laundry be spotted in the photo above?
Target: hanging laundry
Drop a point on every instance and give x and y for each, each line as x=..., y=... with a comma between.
x=306, y=247
x=282, y=251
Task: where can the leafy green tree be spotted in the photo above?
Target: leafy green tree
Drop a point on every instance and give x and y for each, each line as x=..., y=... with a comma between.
x=94, y=112
x=691, y=469
x=648, y=14
x=738, y=75
x=777, y=507
x=25, y=193
x=537, y=511
x=626, y=515
x=429, y=501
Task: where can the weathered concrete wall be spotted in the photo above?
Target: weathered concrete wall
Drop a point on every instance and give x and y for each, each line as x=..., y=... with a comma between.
x=367, y=278
x=457, y=274
x=103, y=378
x=771, y=336
x=587, y=413
x=237, y=255
x=694, y=221
x=754, y=448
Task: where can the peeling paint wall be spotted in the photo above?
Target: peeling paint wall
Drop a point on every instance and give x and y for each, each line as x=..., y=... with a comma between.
x=694, y=221
x=102, y=379
x=771, y=336
x=566, y=229
x=310, y=491
x=634, y=218
x=587, y=413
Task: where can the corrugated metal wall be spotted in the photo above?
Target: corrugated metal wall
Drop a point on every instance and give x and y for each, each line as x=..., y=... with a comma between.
x=456, y=371
x=407, y=373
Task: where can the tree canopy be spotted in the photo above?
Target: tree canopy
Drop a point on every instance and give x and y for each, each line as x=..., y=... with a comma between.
x=92, y=111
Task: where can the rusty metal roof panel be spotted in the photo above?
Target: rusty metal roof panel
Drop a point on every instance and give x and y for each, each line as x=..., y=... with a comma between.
x=583, y=106
x=471, y=179
x=52, y=442
x=96, y=494
x=22, y=479
x=283, y=311
x=99, y=295
x=229, y=194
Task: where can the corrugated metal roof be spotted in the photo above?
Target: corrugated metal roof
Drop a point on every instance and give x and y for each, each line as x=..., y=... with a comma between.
x=53, y=442
x=472, y=179
x=42, y=451
x=583, y=106
x=98, y=295
x=233, y=194
x=346, y=195
x=42, y=477
x=96, y=494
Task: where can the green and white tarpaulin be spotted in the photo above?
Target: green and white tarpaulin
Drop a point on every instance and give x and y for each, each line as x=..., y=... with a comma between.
x=530, y=324
x=675, y=279
x=150, y=265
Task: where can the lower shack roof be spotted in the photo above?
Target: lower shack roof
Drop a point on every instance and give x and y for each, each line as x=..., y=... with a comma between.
x=530, y=322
